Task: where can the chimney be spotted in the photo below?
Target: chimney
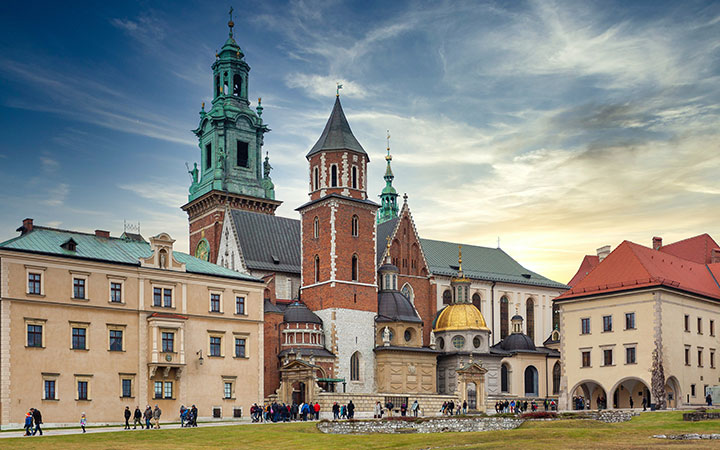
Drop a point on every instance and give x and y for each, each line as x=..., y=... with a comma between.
x=602, y=252
x=26, y=227
x=657, y=243
x=715, y=256
x=102, y=233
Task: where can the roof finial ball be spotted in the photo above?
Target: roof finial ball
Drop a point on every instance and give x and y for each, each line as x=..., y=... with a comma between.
x=337, y=90
x=231, y=24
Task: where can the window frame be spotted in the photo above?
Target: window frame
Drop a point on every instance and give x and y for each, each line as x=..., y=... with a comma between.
x=687, y=323
x=167, y=341
x=35, y=283
x=607, y=323
x=244, y=346
x=50, y=378
x=583, y=353
x=334, y=176
x=79, y=284
x=35, y=324
x=699, y=325
x=240, y=305
x=585, y=321
x=79, y=326
x=111, y=291
x=116, y=328
x=605, y=357
x=316, y=227
x=130, y=387
x=212, y=335
x=628, y=350
x=700, y=352
x=629, y=315
x=167, y=384
x=165, y=291
x=215, y=302
x=158, y=395
x=355, y=226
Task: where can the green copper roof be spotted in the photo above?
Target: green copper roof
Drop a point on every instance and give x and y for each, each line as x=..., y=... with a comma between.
x=481, y=263
x=112, y=250
x=388, y=196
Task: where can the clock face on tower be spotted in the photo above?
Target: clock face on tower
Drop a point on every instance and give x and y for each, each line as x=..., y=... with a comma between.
x=202, y=251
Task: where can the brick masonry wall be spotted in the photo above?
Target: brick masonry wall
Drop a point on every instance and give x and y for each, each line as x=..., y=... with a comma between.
x=211, y=222
x=344, y=160
x=271, y=334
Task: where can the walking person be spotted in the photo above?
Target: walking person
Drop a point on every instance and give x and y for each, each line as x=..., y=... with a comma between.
x=336, y=411
x=415, y=407
x=644, y=403
x=351, y=410
x=137, y=418
x=28, y=423
x=156, y=416
x=37, y=420
x=708, y=399
x=148, y=417
x=632, y=403
x=389, y=406
x=128, y=414
x=83, y=421
x=378, y=411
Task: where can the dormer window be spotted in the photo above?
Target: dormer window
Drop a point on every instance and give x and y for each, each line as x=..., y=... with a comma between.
x=275, y=259
x=69, y=245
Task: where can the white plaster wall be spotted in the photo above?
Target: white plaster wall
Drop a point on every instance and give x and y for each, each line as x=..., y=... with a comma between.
x=354, y=332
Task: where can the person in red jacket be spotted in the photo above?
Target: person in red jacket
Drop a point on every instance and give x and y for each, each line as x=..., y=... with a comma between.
x=316, y=408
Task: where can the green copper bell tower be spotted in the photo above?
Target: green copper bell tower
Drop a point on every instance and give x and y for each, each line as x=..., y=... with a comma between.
x=232, y=173
x=388, y=198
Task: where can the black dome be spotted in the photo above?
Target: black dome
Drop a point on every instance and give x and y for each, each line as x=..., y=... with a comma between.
x=299, y=313
x=387, y=267
x=393, y=306
x=517, y=341
x=516, y=317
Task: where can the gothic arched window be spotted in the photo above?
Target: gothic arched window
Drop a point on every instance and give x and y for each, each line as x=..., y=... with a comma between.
x=333, y=176
x=316, y=177
x=355, y=367
x=354, y=267
x=530, y=318
x=354, y=226
x=477, y=301
x=556, y=378
x=503, y=317
x=447, y=297
x=354, y=177
x=316, y=227
x=317, y=268
x=504, y=378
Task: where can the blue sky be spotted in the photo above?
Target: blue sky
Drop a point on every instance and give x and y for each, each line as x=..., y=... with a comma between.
x=558, y=126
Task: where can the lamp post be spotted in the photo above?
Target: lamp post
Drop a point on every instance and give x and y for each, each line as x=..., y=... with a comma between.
x=199, y=352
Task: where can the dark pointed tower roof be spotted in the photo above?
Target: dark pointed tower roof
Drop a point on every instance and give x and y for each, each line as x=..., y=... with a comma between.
x=337, y=134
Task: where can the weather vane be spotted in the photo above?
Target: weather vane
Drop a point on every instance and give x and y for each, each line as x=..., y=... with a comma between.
x=337, y=91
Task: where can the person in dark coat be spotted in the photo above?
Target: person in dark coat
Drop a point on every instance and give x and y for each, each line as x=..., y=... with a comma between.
x=708, y=399
x=137, y=418
x=351, y=410
x=37, y=420
x=148, y=417
x=128, y=414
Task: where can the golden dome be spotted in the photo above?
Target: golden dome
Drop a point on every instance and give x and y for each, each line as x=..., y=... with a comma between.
x=460, y=316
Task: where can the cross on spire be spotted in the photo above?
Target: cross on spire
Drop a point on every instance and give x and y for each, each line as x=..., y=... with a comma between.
x=231, y=24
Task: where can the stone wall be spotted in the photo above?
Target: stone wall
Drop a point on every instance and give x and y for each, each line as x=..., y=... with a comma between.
x=434, y=425
x=365, y=403
x=698, y=416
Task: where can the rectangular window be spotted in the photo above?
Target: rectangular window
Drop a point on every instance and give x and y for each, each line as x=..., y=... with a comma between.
x=700, y=357
x=34, y=283
x=239, y=305
x=50, y=390
x=34, y=336
x=116, y=340
x=79, y=288
x=168, y=342
x=116, y=292
x=712, y=327
x=208, y=156
x=168, y=389
x=214, y=302
x=215, y=345
x=79, y=338
x=157, y=297
x=687, y=356
x=608, y=357
x=239, y=347
x=82, y=390
x=167, y=298
x=126, y=387
x=242, y=154
x=712, y=359
x=607, y=323
x=687, y=322
x=228, y=390
x=630, y=355
x=585, y=326
x=699, y=325
x=586, y=359
x=692, y=390
x=158, y=389
x=629, y=321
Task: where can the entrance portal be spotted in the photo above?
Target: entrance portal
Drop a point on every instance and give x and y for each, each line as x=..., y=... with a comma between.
x=298, y=392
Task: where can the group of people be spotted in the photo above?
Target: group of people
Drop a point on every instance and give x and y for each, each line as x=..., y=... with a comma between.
x=282, y=412
x=519, y=407
x=33, y=420
x=448, y=408
x=343, y=412
x=188, y=416
x=150, y=417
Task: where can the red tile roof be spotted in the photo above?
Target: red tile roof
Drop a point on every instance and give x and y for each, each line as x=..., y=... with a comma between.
x=697, y=249
x=632, y=266
x=589, y=262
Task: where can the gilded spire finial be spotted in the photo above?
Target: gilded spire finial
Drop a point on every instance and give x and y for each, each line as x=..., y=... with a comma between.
x=388, y=157
x=388, y=242
x=231, y=24
x=460, y=260
x=337, y=90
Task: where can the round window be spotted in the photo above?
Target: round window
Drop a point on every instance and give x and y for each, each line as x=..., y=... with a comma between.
x=477, y=341
x=458, y=341
x=408, y=335
x=441, y=343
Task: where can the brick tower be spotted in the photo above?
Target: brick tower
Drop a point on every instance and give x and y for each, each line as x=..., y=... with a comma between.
x=339, y=281
x=232, y=173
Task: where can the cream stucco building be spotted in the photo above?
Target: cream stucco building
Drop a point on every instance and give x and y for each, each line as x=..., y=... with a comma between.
x=92, y=323
x=642, y=324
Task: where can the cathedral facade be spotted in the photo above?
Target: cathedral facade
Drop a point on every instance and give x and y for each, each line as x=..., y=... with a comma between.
x=357, y=304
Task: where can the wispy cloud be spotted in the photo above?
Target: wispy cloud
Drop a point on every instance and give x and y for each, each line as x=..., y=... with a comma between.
x=57, y=195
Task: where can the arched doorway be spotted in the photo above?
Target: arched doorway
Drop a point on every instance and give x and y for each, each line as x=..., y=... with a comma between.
x=673, y=395
x=472, y=395
x=531, y=381
x=505, y=378
x=629, y=393
x=298, y=392
x=587, y=394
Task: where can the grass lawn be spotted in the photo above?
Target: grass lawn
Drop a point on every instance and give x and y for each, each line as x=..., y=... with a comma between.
x=569, y=434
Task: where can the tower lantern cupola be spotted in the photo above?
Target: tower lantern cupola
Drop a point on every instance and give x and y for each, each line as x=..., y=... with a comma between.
x=460, y=284
x=388, y=197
